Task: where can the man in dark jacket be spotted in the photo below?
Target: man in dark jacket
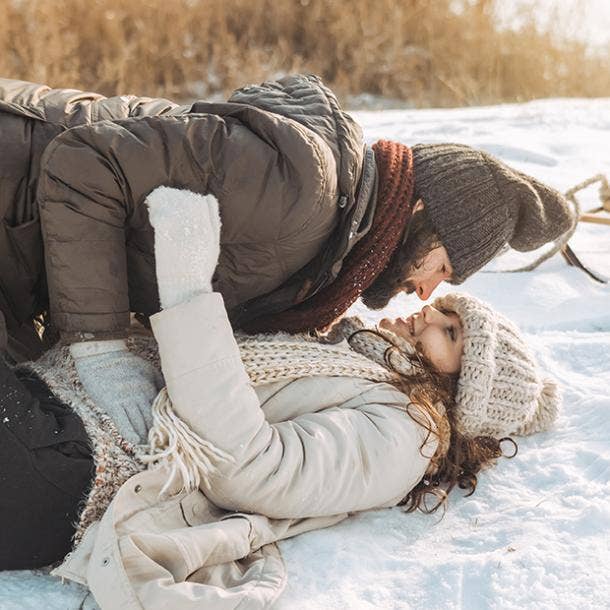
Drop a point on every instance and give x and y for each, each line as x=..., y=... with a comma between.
x=312, y=218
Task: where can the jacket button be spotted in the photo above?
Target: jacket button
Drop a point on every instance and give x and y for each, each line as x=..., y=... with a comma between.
x=342, y=201
x=105, y=561
x=137, y=488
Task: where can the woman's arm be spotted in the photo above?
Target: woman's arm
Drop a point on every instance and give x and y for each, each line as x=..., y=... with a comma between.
x=363, y=455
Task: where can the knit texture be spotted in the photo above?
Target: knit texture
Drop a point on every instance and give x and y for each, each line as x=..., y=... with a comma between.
x=477, y=205
x=500, y=391
x=187, y=242
x=189, y=459
x=119, y=383
x=281, y=357
x=367, y=259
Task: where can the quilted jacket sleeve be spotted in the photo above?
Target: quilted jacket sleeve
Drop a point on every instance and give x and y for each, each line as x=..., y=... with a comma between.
x=71, y=107
x=92, y=179
x=362, y=454
x=95, y=178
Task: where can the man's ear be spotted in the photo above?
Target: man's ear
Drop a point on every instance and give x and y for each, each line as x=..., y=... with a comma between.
x=419, y=205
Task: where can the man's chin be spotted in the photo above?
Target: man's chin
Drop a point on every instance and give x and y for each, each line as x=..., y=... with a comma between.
x=378, y=298
x=375, y=300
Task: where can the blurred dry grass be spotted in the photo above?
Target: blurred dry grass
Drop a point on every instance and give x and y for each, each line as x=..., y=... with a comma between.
x=441, y=52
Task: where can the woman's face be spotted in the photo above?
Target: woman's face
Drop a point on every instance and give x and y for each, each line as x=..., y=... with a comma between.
x=437, y=335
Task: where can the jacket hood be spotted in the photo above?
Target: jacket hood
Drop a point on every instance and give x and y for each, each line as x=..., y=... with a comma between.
x=305, y=99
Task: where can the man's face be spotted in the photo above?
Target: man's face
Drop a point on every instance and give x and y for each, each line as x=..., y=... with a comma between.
x=420, y=277
x=435, y=268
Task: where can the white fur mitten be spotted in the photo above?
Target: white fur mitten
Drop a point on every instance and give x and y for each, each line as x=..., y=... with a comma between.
x=187, y=242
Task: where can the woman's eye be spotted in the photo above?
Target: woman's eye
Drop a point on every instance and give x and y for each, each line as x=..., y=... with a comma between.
x=451, y=332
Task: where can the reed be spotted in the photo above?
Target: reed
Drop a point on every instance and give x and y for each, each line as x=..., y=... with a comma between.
x=441, y=52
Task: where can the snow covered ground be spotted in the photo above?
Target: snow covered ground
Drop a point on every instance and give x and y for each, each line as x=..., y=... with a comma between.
x=536, y=534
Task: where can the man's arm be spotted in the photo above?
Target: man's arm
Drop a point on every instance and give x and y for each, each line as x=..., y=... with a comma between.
x=92, y=178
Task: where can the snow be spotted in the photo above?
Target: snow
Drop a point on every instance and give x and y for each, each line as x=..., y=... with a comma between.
x=536, y=533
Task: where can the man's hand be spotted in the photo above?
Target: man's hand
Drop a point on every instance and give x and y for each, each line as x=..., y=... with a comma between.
x=187, y=242
x=120, y=383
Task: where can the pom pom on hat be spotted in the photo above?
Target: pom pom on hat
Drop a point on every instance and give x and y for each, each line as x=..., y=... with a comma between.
x=547, y=409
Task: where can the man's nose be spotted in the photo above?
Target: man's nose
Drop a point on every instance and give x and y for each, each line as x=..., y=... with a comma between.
x=426, y=288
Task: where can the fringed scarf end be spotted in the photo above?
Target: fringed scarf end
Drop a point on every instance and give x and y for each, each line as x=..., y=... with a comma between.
x=174, y=445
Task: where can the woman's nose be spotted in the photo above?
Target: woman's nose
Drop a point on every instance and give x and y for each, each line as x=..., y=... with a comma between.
x=431, y=315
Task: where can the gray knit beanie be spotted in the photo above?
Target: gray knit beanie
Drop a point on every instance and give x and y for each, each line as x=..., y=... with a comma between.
x=477, y=204
x=500, y=391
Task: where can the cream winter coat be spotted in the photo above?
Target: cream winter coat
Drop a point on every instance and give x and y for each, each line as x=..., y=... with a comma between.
x=303, y=455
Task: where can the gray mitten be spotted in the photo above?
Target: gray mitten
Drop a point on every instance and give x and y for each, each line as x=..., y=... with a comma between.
x=120, y=383
x=187, y=242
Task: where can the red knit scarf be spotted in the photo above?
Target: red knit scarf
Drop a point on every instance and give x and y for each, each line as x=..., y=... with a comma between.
x=367, y=258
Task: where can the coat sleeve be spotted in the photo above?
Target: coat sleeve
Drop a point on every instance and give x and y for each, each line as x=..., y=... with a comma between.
x=361, y=455
x=94, y=179
x=71, y=107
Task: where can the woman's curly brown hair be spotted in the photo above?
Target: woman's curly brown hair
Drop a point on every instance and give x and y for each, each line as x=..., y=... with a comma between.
x=458, y=459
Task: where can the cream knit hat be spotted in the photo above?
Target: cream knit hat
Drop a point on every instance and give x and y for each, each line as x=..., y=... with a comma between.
x=500, y=391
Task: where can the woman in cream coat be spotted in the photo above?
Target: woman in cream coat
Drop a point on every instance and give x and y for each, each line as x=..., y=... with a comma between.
x=257, y=440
